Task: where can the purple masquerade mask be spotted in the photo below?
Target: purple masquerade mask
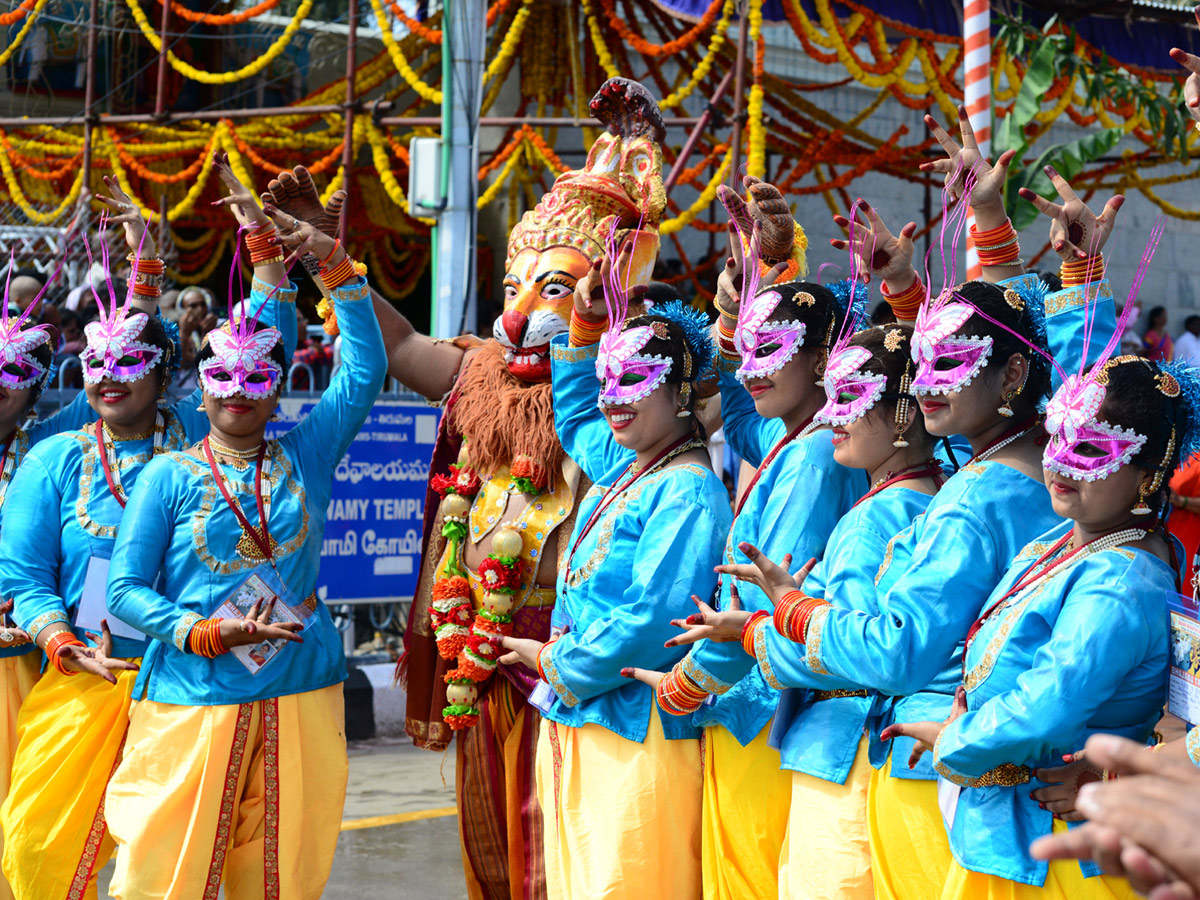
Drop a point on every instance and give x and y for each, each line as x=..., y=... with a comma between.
x=628, y=376
x=850, y=393
x=19, y=368
x=944, y=363
x=113, y=350
x=1080, y=446
x=765, y=347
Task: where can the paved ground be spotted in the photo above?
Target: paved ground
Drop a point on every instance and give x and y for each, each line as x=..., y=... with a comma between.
x=399, y=834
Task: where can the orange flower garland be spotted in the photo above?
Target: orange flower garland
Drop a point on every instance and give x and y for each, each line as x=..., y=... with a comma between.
x=234, y=18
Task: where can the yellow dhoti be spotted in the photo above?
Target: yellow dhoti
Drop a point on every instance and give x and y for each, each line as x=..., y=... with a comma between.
x=1064, y=881
x=622, y=819
x=250, y=794
x=18, y=675
x=747, y=798
x=69, y=735
x=826, y=851
x=910, y=853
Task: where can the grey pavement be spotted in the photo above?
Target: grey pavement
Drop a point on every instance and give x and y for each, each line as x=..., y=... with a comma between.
x=389, y=777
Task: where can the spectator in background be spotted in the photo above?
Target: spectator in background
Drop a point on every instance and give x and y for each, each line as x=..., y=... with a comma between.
x=197, y=318
x=168, y=305
x=312, y=352
x=1156, y=342
x=22, y=291
x=1187, y=348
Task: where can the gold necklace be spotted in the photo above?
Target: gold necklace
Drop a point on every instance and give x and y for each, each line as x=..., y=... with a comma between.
x=140, y=436
x=239, y=459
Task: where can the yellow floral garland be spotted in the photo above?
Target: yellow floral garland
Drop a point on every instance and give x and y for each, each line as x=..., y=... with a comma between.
x=756, y=159
x=707, y=196
x=20, y=38
x=190, y=71
x=429, y=94
x=19, y=198
x=676, y=97
x=602, y=54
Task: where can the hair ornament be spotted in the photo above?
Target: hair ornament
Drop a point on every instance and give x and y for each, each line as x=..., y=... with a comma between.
x=893, y=340
x=1013, y=299
x=1187, y=380
x=697, y=334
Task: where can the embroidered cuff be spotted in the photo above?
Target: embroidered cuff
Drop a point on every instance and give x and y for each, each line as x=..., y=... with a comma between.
x=260, y=290
x=727, y=364
x=1003, y=775
x=1076, y=297
x=762, y=653
x=561, y=352
x=183, y=628
x=45, y=619
x=554, y=678
x=354, y=289
x=703, y=679
x=1029, y=281
x=814, y=633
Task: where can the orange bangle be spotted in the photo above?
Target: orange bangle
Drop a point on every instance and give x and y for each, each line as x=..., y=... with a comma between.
x=338, y=275
x=678, y=695
x=542, y=672
x=749, y=630
x=907, y=303
x=1083, y=271
x=584, y=333
x=336, y=244
x=205, y=639
x=61, y=639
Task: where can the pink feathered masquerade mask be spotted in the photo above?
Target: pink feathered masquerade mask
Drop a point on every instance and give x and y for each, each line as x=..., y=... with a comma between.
x=241, y=362
x=113, y=350
x=1080, y=445
x=19, y=368
x=945, y=362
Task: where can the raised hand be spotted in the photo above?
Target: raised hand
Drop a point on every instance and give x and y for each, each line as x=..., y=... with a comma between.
x=729, y=294
x=10, y=635
x=589, y=290
x=96, y=660
x=925, y=733
x=257, y=627
x=965, y=163
x=773, y=580
x=1191, y=87
x=710, y=625
x=302, y=237
x=1075, y=231
x=885, y=255
x=240, y=201
x=296, y=195
x=128, y=214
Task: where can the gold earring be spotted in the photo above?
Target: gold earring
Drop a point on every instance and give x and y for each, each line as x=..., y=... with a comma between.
x=1145, y=490
x=1005, y=408
x=1140, y=508
x=902, y=408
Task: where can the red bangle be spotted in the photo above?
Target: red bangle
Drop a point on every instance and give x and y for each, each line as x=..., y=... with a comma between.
x=677, y=694
x=907, y=303
x=749, y=630
x=793, y=613
x=584, y=333
x=205, y=639
x=335, y=276
x=336, y=244
x=1082, y=271
x=61, y=639
x=542, y=672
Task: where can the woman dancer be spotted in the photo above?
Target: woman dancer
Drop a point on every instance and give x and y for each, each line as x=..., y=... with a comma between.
x=73, y=488
x=819, y=733
x=1054, y=658
x=606, y=755
x=234, y=767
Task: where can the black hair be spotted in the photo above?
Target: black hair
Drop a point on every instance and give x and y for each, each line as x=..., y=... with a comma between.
x=44, y=354
x=674, y=347
x=1051, y=279
x=1190, y=321
x=891, y=355
x=883, y=313
x=1134, y=399
x=277, y=355
x=1010, y=309
x=66, y=316
x=1154, y=313
x=815, y=306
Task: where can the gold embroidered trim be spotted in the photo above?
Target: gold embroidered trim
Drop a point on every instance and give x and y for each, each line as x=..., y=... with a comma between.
x=1004, y=775
x=813, y=635
x=283, y=294
x=91, y=846
x=352, y=294
x=703, y=680
x=574, y=354
x=763, y=655
x=270, y=713
x=281, y=470
x=726, y=363
x=838, y=694
x=550, y=670
x=183, y=628
x=216, y=866
x=47, y=619
x=556, y=760
x=1081, y=295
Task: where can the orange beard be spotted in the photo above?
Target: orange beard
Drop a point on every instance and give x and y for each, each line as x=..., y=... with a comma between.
x=502, y=417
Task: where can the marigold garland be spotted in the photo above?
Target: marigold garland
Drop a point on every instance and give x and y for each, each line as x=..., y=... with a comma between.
x=189, y=71
x=430, y=94
x=233, y=18
x=20, y=38
x=16, y=15
x=671, y=47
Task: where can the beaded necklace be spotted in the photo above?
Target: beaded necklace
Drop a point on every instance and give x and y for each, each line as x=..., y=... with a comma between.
x=104, y=445
x=1004, y=440
x=931, y=468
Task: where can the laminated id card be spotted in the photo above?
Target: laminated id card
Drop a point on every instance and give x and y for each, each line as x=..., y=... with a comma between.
x=1183, y=687
x=262, y=585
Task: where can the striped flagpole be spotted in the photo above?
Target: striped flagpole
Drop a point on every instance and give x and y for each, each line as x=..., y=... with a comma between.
x=977, y=92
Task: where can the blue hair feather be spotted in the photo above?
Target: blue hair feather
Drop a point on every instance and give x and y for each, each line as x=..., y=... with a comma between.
x=172, y=330
x=695, y=327
x=1188, y=378
x=852, y=297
